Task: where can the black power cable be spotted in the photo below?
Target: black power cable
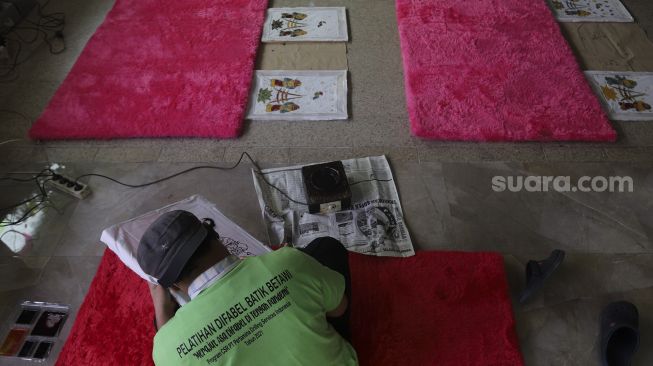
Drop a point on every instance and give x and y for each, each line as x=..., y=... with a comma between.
x=243, y=155
x=53, y=22
x=44, y=196
x=34, y=210
x=170, y=176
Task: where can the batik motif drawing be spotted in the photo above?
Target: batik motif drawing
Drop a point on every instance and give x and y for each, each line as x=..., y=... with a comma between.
x=297, y=95
x=278, y=98
x=626, y=95
x=305, y=24
x=624, y=91
x=291, y=25
x=590, y=11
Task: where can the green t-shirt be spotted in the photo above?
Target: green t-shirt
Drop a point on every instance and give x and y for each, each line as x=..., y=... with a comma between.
x=268, y=310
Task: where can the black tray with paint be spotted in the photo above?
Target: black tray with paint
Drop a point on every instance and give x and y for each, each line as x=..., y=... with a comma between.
x=34, y=330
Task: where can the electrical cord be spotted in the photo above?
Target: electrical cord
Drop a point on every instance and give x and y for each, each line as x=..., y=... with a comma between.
x=34, y=210
x=243, y=155
x=30, y=213
x=41, y=186
x=370, y=180
x=20, y=203
x=170, y=176
x=44, y=196
x=53, y=22
x=38, y=175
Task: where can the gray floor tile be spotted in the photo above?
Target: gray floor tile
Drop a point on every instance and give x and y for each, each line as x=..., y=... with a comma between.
x=24, y=153
x=375, y=130
x=629, y=154
x=70, y=154
x=533, y=223
x=583, y=276
x=316, y=155
x=127, y=155
x=423, y=202
x=449, y=152
x=181, y=151
x=573, y=153
x=15, y=124
x=277, y=155
x=634, y=133
x=264, y=133
x=567, y=334
x=84, y=268
x=376, y=91
x=28, y=96
x=394, y=154
x=641, y=10
x=323, y=133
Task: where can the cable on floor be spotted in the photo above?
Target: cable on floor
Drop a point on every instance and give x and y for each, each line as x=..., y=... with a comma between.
x=47, y=173
x=243, y=155
x=47, y=23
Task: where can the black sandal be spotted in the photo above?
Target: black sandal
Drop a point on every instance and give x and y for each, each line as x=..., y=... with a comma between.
x=619, y=334
x=538, y=271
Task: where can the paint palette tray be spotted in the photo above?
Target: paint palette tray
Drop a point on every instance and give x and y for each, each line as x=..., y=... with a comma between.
x=34, y=331
x=314, y=24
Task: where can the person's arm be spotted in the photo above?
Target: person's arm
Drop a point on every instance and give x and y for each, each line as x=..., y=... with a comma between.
x=340, y=310
x=330, y=284
x=164, y=305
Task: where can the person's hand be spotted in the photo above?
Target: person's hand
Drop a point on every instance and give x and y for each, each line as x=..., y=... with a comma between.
x=164, y=304
x=161, y=297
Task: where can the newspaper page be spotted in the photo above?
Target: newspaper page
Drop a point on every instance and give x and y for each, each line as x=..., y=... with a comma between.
x=375, y=224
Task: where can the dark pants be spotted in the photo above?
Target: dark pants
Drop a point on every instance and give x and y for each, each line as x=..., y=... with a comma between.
x=332, y=254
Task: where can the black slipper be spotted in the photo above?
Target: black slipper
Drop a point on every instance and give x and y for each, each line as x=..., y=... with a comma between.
x=538, y=271
x=619, y=333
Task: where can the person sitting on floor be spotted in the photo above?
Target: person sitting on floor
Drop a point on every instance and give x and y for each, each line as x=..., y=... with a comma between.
x=287, y=307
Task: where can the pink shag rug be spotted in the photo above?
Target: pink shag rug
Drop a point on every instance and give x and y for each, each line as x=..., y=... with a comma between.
x=160, y=68
x=487, y=70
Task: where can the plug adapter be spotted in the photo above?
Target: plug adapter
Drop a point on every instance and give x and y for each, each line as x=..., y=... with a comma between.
x=68, y=185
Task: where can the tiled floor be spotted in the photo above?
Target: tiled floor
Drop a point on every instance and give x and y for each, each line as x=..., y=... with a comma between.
x=445, y=189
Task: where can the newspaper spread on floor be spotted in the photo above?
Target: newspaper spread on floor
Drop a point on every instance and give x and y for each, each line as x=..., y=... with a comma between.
x=123, y=238
x=374, y=226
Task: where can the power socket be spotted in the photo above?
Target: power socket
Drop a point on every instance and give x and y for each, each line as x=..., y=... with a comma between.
x=67, y=185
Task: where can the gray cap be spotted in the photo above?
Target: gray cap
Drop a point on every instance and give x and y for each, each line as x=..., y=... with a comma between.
x=168, y=244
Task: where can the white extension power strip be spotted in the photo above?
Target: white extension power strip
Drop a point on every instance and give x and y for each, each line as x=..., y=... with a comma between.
x=68, y=185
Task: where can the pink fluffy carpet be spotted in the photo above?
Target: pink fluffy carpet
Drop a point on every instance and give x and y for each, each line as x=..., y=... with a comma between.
x=487, y=70
x=436, y=308
x=160, y=68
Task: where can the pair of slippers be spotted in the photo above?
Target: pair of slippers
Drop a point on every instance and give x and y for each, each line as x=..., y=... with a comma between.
x=619, y=320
